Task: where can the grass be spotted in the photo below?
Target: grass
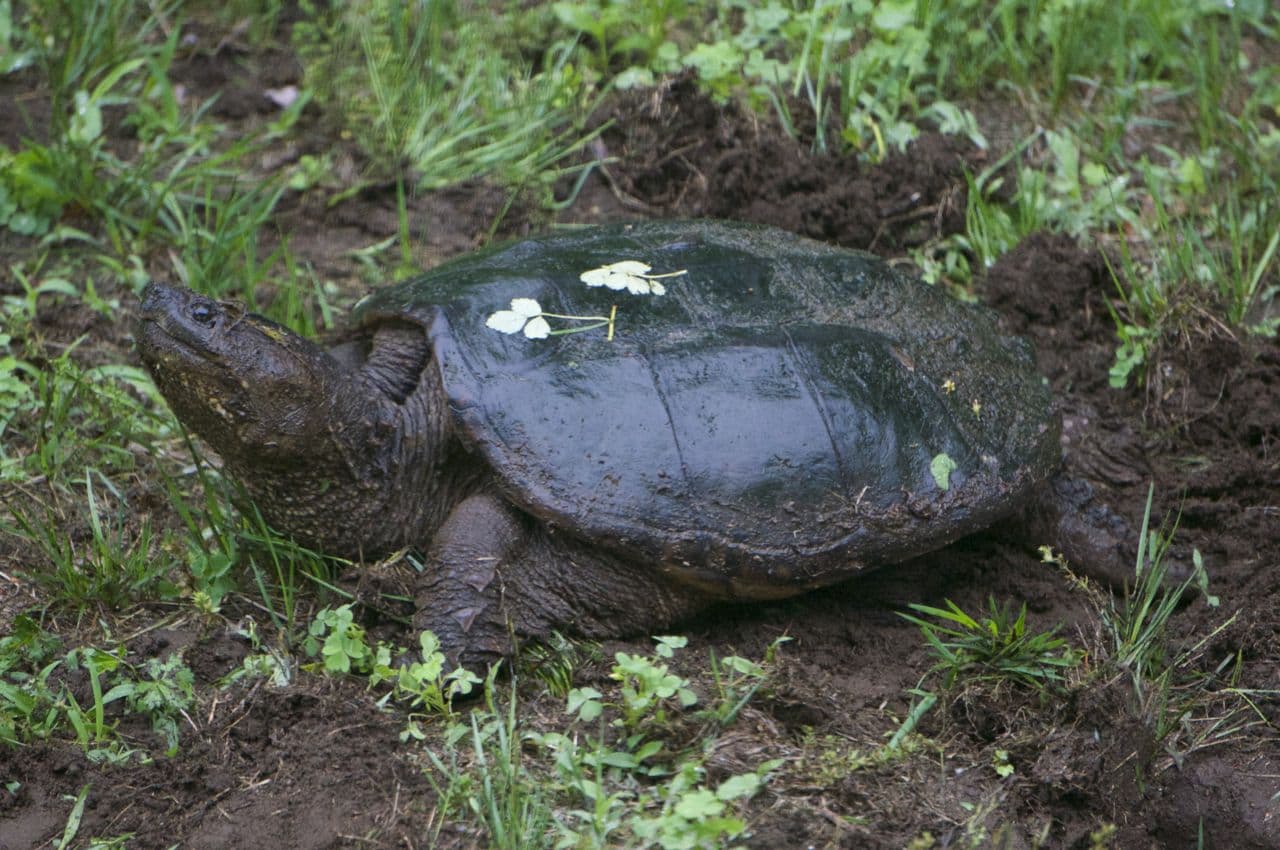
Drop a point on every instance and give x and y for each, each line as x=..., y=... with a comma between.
x=625, y=767
x=133, y=177
x=998, y=646
x=1186, y=701
x=468, y=115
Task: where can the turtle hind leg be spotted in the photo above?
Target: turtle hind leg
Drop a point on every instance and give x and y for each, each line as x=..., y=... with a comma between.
x=495, y=578
x=1094, y=539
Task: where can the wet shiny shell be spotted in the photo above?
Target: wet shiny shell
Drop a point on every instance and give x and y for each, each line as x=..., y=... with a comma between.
x=771, y=421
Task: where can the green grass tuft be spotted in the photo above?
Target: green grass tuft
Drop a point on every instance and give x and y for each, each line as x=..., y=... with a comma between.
x=996, y=647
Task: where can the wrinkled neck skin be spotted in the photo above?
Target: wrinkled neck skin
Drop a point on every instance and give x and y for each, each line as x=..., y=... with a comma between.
x=384, y=475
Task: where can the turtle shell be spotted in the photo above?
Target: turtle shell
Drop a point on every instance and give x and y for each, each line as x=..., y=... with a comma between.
x=784, y=415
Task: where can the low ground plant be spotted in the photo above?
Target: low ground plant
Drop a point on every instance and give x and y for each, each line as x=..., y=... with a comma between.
x=1210, y=273
x=1187, y=699
x=997, y=646
x=425, y=684
x=620, y=770
x=630, y=781
x=38, y=700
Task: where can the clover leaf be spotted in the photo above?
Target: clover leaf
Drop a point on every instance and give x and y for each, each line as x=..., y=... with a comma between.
x=631, y=275
x=941, y=468
x=525, y=315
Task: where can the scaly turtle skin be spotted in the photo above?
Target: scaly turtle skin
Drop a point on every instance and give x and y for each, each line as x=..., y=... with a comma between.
x=770, y=424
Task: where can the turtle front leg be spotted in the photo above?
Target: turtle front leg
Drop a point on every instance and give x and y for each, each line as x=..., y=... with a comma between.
x=460, y=596
x=495, y=578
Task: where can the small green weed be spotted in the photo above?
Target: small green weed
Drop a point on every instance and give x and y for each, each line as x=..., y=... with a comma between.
x=555, y=660
x=223, y=548
x=423, y=685
x=340, y=642
x=113, y=567
x=996, y=647
x=82, y=42
x=694, y=815
x=211, y=548
x=509, y=802
x=104, y=59
x=61, y=414
x=41, y=180
x=686, y=813
x=1059, y=189
x=1203, y=265
x=631, y=38
x=71, y=829
x=737, y=681
x=622, y=785
x=27, y=703
x=218, y=236
x=827, y=759
x=164, y=693
x=647, y=684
x=18, y=48
x=1185, y=707
x=1137, y=624
x=37, y=703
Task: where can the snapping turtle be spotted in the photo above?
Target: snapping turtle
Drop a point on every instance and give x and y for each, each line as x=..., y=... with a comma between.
x=763, y=415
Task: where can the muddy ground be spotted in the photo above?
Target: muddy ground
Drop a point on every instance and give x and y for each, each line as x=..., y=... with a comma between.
x=315, y=765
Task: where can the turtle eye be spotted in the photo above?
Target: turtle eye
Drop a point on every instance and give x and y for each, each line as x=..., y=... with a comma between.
x=204, y=314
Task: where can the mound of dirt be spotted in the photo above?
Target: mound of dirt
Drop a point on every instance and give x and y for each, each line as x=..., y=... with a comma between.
x=682, y=155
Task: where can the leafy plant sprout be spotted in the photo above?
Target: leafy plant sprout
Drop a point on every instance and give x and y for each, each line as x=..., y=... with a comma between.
x=997, y=646
x=527, y=315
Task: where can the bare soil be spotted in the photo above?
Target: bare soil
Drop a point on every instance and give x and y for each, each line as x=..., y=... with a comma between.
x=317, y=765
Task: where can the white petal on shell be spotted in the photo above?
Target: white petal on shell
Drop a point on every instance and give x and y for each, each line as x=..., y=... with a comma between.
x=537, y=328
x=629, y=267
x=506, y=321
x=636, y=285
x=657, y=288
x=595, y=277
x=526, y=307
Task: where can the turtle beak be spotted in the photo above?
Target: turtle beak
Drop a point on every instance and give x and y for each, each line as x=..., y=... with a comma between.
x=156, y=323
x=165, y=304
x=172, y=314
x=155, y=298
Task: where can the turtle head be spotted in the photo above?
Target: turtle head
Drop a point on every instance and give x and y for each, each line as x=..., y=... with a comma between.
x=256, y=391
x=325, y=444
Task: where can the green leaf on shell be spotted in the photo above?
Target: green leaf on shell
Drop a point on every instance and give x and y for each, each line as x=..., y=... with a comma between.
x=941, y=468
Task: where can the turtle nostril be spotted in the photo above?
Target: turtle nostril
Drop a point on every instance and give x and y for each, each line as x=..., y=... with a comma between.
x=204, y=314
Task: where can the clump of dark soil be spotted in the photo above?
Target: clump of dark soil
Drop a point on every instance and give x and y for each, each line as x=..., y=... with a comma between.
x=681, y=155
x=299, y=767
x=315, y=764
